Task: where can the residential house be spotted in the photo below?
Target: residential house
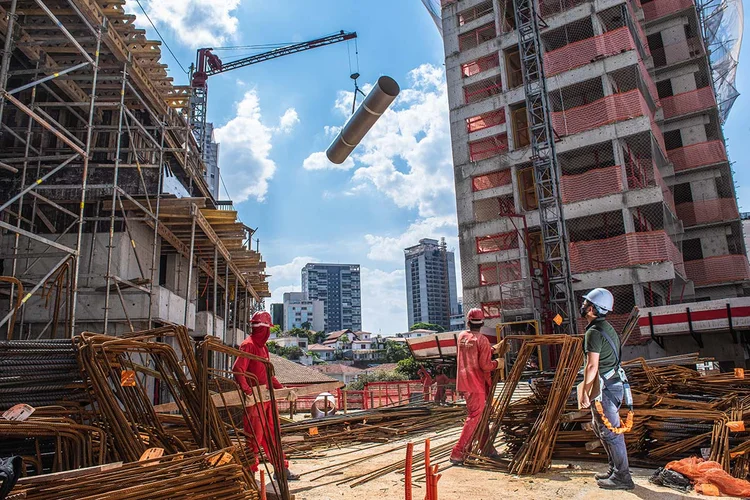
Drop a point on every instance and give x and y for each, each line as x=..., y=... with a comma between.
x=343, y=373
x=324, y=352
x=334, y=339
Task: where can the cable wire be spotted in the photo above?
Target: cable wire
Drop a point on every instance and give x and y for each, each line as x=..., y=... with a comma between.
x=161, y=37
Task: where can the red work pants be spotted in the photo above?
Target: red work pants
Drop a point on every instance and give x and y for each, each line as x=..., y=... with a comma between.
x=258, y=423
x=474, y=405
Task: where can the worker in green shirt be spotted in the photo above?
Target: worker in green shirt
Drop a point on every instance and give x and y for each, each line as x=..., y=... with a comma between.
x=602, y=348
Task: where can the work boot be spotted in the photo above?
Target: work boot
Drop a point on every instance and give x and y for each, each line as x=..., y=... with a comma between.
x=606, y=474
x=456, y=461
x=616, y=483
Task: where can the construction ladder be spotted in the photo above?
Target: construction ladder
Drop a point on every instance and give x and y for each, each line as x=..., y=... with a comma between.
x=544, y=160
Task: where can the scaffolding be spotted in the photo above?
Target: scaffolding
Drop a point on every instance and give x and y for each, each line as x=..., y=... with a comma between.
x=92, y=130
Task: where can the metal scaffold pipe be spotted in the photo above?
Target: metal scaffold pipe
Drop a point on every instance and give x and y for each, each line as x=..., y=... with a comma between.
x=375, y=104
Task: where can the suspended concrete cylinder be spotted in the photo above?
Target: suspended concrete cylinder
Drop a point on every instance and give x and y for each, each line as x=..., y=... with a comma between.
x=374, y=105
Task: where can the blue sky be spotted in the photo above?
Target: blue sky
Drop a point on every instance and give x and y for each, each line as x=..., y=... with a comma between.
x=275, y=119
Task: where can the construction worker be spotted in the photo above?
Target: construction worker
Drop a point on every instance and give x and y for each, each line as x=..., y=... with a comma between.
x=441, y=382
x=426, y=379
x=473, y=380
x=602, y=348
x=258, y=419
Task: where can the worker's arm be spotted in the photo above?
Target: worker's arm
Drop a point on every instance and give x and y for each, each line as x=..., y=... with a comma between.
x=239, y=369
x=275, y=383
x=589, y=375
x=486, y=364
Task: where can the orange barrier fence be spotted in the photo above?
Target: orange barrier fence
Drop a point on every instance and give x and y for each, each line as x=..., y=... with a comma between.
x=497, y=242
x=707, y=211
x=718, y=269
x=583, y=52
x=485, y=120
x=697, y=155
x=482, y=64
x=688, y=102
x=592, y=184
x=491, y=180
x=609, y=109
x=660, y=8
x=629, y=249
x=488, y=147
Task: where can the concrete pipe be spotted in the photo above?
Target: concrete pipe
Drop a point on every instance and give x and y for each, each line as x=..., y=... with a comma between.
x=374, y=105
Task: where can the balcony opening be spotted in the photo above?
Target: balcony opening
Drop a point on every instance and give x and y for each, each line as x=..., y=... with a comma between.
x=489, y=208
x=485, y=120
x=600, y=226
x=513, y=71
x=521, y=133
x=480, y=65
x=613, y=18
x=482, y=90
x=491, y=180
x=692, y=249
x=507, y=16
x=656, y=46
x=570, y=33
x=673, y=139
x=488, y=147
x=527, y=189
x=477, y=36
x=682, y=193
x=479, y=10
x=664, y=88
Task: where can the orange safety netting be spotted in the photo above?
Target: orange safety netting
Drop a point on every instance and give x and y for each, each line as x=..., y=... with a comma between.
x=688, y=102
x=485, y=120
x=583, y=52
x=482, y=64
x=629, y=249
x=710, y=478
x=473, y=13
x=718, y=269
x=479, y=91
x=499, y=272
x=491, y=180
x=698, y=155
x=488, y=147
x=497, y=242
x=592, y=184
x=640, y=31
x=643, y=172
x=707, y=211
x=492, y=309
x=661, y=8
x=477, y=36
x=649, y=82
x=609, y=109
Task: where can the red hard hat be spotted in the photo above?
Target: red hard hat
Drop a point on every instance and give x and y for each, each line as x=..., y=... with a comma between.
x=261, y=318
x=475, y=316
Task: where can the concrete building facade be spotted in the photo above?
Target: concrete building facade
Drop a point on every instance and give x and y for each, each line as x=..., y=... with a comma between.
x=431, y=294
x=648, y=199
x=339, y=287
x=299, y=310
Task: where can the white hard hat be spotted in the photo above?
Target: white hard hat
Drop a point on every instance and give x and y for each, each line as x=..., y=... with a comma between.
x=602, y=299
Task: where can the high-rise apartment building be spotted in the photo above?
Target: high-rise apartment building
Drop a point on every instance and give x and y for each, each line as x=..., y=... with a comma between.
x=431, y=284
x=302, y=312
x=639, y=183
x=338, y=286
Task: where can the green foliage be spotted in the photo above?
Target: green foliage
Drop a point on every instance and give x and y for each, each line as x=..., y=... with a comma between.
x=291, y=352
x=395, y=351
x=306, y=326
x=273, y=347
x=427, y=326
x=409, y=367
x=377, y=376
x=344, y=339
x=276, y=329
x=338, y=354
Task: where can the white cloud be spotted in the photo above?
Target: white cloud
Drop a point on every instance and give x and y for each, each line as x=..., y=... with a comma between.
x=244, y=155
x=288, y=120
x=407, y=154
x=319, y=161
x=291, y=271
x=383, y=301
x=391, y=248
x=195, y=23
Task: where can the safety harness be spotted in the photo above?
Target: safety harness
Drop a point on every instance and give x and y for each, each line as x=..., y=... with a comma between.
x=628, y=424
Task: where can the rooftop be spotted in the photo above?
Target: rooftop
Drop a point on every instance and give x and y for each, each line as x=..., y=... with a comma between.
x=291, y=373
x=338, y=368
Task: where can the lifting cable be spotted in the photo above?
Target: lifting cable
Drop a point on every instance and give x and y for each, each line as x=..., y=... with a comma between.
x=354, y=75
x=161, y=37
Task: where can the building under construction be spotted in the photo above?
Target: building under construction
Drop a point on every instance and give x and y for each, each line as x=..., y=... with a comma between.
x=588, y=151
x=94, y=137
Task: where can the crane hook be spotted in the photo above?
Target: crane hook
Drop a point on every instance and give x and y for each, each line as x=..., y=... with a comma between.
x=354, y=77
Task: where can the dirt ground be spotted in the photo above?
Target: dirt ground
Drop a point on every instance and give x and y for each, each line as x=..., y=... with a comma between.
x=565, y=480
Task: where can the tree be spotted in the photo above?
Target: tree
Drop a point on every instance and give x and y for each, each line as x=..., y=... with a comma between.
x=377, y=376
x=395, y=351
x=273, y=347
x=427, y=326
x=306, y=326
x=276, y=329
x=409, y=367
x=344, y=340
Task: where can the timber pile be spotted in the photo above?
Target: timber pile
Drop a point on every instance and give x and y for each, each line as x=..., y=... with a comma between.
x=380, y=425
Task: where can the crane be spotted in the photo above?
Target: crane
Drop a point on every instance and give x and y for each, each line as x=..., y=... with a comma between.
x=209, y=64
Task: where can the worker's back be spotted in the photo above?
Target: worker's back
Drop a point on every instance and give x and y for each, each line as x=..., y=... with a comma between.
x=474, y=362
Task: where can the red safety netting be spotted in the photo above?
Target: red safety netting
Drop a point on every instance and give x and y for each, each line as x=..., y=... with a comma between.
x=473, y=13
x=697, y=155
x=492, y=309
x=659, y=137
x=688, y=102
x=497, y=242
x=710, y=478
x=609, y=109
x=482, y=64
x=488, y=147
x=718, y=269
x=499, y=272
x=641, y=33
x=650, y=85
x=549, y=7
x=659, y=8
x=491, y=180
x=642, y=173
x=707, y=211
x=592, y=184
x=485, y=120
x=583, y=52
x=479, y=91
x=477, y=36
x=677, y=52
x=629, y=249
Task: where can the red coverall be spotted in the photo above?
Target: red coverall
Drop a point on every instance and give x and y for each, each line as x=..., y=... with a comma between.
x=442, y=381
x=473, y=380
x=259, y=422
x=426, y=379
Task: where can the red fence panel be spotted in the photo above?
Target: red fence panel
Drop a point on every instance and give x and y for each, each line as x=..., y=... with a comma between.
x=697, y=155
x=491, y=180
x=608, y=109
x=688, y=102
x=625, y=250
x=583, y=52
x=707, y=211
x=488, y=147
x=485, y=120
x=592, y=184
x=718, y=269
x=659, y=8
x=497, y=242
x=479, y=91
x=499, y=272
x=482, y=64
x=477, y=36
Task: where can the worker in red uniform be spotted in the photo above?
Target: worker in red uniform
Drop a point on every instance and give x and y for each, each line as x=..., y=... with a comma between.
x=441, y=382
x=426, y=379
x=258, y=420
x=473, y=380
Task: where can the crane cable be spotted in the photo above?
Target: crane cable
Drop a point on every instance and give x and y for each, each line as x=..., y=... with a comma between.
x=162, y=38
